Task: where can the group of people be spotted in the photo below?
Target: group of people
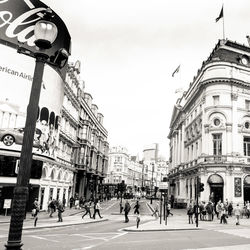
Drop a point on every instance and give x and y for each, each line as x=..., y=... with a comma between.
x=87, y=206
x=53, y=205
x=156, y=211
x=207, y=211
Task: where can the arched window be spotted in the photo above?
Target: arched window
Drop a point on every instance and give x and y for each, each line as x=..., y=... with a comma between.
x=52, y=119
x=44, y=115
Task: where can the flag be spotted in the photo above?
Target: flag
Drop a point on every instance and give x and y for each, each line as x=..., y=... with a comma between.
x=220, y=16
x=176, y=71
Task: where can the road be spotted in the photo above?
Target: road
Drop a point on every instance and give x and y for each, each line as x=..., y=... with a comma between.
x=109, y=235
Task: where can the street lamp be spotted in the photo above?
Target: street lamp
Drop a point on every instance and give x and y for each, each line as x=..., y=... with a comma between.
x=152, y=184
x=45, y=34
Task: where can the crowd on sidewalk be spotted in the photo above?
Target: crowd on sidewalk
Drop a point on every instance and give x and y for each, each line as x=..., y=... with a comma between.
x=221, y=211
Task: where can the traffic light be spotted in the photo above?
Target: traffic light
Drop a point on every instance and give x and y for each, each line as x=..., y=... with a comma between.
x=201, y=189
x=200, y=186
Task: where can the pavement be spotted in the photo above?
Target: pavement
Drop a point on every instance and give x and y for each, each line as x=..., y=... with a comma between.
x=179, y=221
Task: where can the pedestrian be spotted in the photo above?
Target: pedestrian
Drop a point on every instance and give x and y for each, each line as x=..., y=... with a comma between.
x=71, y=201
x=126, y=211
x=97, y=208
x=223, y=216
x=168, y=209
x=52, y=207
x=35, y=211
x=60, y=210
x=156, y=210
x=121, y=207
x=190, y=212
x=136, y=208
x=209, y=210
x=138, y=219
x=87, y=209
x=237, y=214
x=218, y=209
x=230, y=209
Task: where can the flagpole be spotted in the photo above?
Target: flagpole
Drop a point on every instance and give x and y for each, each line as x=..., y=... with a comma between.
x=223, y=22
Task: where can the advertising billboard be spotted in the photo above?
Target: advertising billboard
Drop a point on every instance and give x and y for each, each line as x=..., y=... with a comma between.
x=16, y=75
x=17, y=22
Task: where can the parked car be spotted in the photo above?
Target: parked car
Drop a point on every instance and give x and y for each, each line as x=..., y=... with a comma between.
x=15, y=135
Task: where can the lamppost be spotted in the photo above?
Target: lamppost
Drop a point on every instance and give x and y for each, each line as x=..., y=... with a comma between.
x=151, y=201
x=45, y=34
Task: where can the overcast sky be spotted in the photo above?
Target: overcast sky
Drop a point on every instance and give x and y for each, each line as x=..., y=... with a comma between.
x=129, y=50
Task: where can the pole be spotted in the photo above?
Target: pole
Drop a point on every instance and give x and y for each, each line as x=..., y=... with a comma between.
x=223, y=23
x=196, y=209
x=166, y=207
x=23, y=177
x=161, y=208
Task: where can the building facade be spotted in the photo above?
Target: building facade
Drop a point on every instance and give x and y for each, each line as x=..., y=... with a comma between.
x=210, y=130
x=70, y=150
x=123, y=167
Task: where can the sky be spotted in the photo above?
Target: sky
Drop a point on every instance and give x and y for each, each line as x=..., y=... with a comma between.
x=129, y=50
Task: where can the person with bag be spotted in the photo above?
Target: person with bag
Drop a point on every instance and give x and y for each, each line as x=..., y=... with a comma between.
x=126, y=211
x=52, y=207
x=60, y=210
x=136, y=208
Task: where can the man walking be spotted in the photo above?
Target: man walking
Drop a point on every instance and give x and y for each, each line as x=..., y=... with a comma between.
x=87, y=209
x=136, y=208
x=126, y=211
x=60, y=210
x=97, y=208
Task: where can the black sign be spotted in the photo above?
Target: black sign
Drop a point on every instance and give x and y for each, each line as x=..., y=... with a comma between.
x=17, y=21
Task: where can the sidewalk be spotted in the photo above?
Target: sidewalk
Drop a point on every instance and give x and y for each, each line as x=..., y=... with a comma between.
x=70, y=217
x=179, y=221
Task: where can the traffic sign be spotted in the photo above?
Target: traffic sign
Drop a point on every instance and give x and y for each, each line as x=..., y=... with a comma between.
x=163, y=186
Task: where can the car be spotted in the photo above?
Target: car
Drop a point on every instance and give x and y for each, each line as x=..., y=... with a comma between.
x=15, y=135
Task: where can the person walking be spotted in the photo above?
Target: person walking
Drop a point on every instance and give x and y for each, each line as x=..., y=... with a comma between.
x=121, y=207
x=156, y=210
x=223, y=216
x=87, y=209
x=230, y=209
x=126, y=211
x=209, y=210
x=60, y=210
x=136, y=208
x=35, y=211
x=52, y=207
x=138, y=219
x=169, y=209
x=71, y=202
x=190, y=212
x=237, y=214
x=97, y=208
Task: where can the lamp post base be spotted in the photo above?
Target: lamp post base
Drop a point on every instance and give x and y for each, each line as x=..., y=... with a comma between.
x=13, y=245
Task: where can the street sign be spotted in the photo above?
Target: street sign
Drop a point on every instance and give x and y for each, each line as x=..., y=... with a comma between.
x=163, y=186
x=7, y=203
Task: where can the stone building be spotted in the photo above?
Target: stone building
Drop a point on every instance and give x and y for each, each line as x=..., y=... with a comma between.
x=210, y=130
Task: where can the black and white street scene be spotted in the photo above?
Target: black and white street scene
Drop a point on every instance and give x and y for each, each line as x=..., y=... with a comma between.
x=125, y=125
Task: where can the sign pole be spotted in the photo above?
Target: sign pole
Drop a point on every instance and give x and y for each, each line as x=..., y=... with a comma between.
x=161, y=208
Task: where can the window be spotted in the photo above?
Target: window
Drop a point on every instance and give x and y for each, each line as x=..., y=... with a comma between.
x=247, y=104
x=216, y=99
x=246, y=146
x=217, y=144
x=216, y=122
x=247, y=125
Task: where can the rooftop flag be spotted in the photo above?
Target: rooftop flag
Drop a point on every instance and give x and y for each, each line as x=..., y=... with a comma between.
x=176, y=71
x=220, y=16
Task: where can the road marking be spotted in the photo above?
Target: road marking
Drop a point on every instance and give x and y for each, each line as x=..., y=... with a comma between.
x=109, y=206
x=238, y=247
x=42, y=238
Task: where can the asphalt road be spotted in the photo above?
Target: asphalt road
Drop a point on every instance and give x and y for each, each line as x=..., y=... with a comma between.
x=108, y=235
